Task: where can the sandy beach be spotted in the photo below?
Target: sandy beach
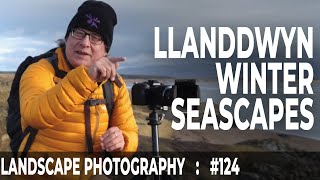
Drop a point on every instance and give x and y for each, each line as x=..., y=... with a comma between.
x=219, y=140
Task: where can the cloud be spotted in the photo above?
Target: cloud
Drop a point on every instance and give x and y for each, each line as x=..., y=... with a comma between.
x=9, y=62
x=59, y=35
x=2, y=58
x=139, y=59
x=38, y=42
x=30, y=50
x=14, y=49
x=21, y=42
x=6, y=51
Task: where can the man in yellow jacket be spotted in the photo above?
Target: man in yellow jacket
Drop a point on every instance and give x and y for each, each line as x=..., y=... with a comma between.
x=56, y=106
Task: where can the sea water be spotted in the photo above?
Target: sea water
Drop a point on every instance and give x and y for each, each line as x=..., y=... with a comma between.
x=210, y=89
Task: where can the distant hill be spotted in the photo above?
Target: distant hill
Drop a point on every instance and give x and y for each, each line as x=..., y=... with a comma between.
x=7, y=72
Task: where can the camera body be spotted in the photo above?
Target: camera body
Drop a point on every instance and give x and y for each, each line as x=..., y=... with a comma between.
x=153, y=93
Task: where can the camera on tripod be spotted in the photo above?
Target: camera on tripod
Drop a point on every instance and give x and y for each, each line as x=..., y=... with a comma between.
x=155, y=94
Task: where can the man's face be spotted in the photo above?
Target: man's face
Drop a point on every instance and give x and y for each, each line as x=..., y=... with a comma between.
x=84, y=49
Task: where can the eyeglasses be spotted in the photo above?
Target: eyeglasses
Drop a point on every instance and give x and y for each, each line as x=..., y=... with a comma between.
x=93, y=37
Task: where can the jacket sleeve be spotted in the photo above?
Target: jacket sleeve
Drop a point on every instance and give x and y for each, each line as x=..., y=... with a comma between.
x=44, y=104
x=123, y=118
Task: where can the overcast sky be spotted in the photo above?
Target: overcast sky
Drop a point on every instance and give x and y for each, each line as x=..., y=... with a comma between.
x=30, y=27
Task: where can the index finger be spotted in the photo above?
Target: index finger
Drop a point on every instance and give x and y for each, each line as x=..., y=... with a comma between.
x=117, y=59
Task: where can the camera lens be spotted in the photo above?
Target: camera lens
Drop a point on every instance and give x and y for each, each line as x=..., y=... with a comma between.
x=139, y=96
x=169, y=94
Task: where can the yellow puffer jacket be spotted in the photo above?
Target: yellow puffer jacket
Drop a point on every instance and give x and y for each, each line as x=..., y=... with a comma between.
x=57, y=110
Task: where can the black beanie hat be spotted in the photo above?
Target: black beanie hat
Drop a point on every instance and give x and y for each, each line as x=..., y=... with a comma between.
x=95, y=16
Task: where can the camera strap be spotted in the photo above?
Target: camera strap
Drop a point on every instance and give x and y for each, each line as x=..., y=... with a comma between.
x=87, y=105
x=108, y=101
x=90, y=102
x=108, y=95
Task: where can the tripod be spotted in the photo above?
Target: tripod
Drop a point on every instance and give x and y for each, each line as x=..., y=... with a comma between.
x=154, y=121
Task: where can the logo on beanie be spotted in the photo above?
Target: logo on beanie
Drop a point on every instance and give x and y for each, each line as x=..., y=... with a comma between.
x=92, y=20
